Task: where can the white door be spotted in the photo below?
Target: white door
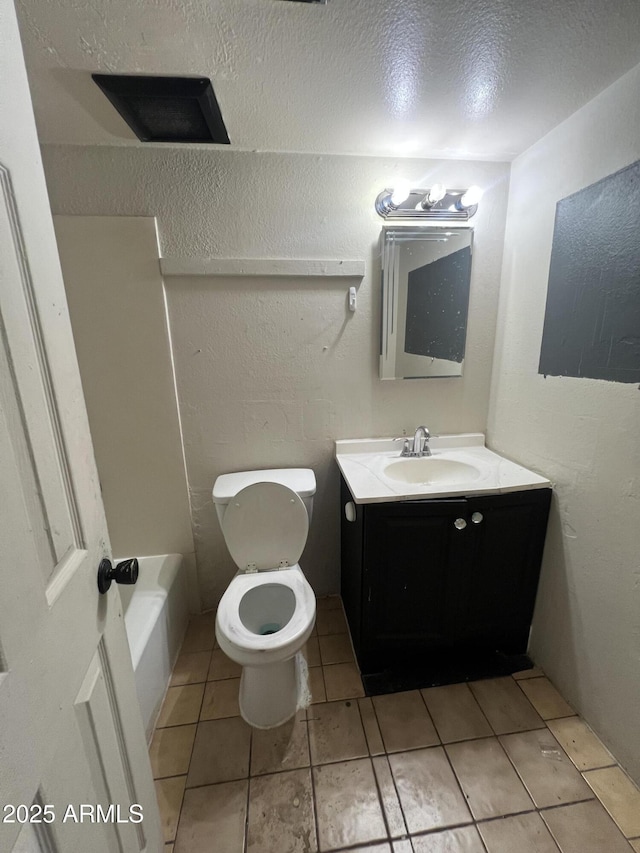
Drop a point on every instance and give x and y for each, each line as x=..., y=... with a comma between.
x=71, y=733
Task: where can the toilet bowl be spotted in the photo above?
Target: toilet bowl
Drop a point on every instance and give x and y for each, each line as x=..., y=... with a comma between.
x=267, y=612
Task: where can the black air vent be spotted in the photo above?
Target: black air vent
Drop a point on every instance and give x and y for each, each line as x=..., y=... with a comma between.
x=166, y=109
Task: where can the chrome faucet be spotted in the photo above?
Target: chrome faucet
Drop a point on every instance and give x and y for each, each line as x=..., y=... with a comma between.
x=420, y=445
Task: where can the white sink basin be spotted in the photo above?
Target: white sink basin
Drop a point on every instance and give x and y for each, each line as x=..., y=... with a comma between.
x=426, y=470
x=460, y=465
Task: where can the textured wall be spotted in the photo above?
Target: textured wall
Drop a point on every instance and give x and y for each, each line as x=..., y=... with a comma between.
x=582, y=433
x=271, y=371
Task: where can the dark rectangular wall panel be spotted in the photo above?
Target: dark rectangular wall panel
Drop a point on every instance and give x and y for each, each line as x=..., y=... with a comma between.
x=592, y=317
x=437, y=304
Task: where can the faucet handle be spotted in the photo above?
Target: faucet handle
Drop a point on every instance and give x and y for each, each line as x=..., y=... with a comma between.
x=405, y=447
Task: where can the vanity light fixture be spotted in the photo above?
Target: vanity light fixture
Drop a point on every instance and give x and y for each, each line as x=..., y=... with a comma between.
x=438, y=202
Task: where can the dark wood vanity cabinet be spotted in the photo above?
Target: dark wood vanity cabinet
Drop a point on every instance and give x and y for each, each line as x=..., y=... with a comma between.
x=441, y=575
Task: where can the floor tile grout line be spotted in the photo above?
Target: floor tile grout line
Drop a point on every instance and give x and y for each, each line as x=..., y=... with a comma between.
x=386, y=755
x=375, y=775
x=517, y=772
x=459, y=783
x=562, y=716
x=600, y=799
x=362, y=846
x=517, y=731
x=377, y=722
x=176, y=725
x=352, y=659
x=475, y=699
x=564, y=805
x=436, y=829
x=479, y=834
x=519, y=775
x=393, y=836
x=172, y=776
x=195, y=722
x=183, y=684
x=200, y=712
x=218, y=680
x=412, y=748
x=314, y=804
x=528, y=677
x=486, y=716
x=535, y=811
x=384, y=745
x=355, y=848
x=520, y=814
x=245, y=840
x=184, y=792
x=499, y=817
x=179, y=818
x=324, y=684
x=469, y=739
x=221, y=782
x=390, y=835
x=380, y=803
x=550, y=831
x=431, y=720
x=613, y=763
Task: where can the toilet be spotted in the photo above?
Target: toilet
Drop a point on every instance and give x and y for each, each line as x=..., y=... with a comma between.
x=268, y=611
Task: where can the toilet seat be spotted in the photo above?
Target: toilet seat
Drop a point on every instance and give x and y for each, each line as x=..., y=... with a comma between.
x=230, y=625
x=265, y=526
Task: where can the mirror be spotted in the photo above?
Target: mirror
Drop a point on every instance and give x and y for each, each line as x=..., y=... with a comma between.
x=425, y=298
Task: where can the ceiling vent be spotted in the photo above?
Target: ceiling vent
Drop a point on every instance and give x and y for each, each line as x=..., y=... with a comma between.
x=166, y=109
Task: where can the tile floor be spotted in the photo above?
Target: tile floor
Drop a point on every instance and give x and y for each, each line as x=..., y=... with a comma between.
x=495, y=766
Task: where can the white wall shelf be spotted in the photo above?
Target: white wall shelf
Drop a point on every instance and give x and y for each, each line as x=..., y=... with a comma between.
x=277, y=267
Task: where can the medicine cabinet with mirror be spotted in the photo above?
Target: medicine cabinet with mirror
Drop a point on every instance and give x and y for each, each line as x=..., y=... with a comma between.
x=426, y=272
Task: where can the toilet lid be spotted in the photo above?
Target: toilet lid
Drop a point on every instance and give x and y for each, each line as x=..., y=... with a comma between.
x=265, y=526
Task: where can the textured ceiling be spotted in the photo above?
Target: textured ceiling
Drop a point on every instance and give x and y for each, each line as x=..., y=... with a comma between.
x=480, y=79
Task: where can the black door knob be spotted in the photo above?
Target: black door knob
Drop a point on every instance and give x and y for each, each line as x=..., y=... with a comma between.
x=125, y=572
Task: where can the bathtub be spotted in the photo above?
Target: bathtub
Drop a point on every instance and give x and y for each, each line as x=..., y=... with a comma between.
x=156, y=614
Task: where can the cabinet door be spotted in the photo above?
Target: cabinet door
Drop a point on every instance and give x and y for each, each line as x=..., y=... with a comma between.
x=507, y=537
x=413, y=558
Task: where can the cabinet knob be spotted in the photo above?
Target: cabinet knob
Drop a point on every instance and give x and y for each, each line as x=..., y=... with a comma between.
x=350, y=511
x=460, y=523
x=477, y=517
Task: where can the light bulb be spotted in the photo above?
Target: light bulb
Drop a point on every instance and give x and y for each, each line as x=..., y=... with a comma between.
x=436, y=193
x=471, y=197
x=400, y=193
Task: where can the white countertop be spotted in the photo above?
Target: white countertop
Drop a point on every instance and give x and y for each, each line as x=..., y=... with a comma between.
x=362, y=463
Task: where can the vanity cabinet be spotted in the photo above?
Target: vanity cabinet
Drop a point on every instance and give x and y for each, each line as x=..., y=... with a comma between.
x=441, y=575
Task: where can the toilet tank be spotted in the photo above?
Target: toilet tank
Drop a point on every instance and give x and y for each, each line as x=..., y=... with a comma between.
x=302, y=481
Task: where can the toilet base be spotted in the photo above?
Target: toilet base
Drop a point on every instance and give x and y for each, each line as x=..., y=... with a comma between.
x=271, y=694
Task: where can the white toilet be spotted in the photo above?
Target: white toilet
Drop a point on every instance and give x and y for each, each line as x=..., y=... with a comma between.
x=268, y=611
